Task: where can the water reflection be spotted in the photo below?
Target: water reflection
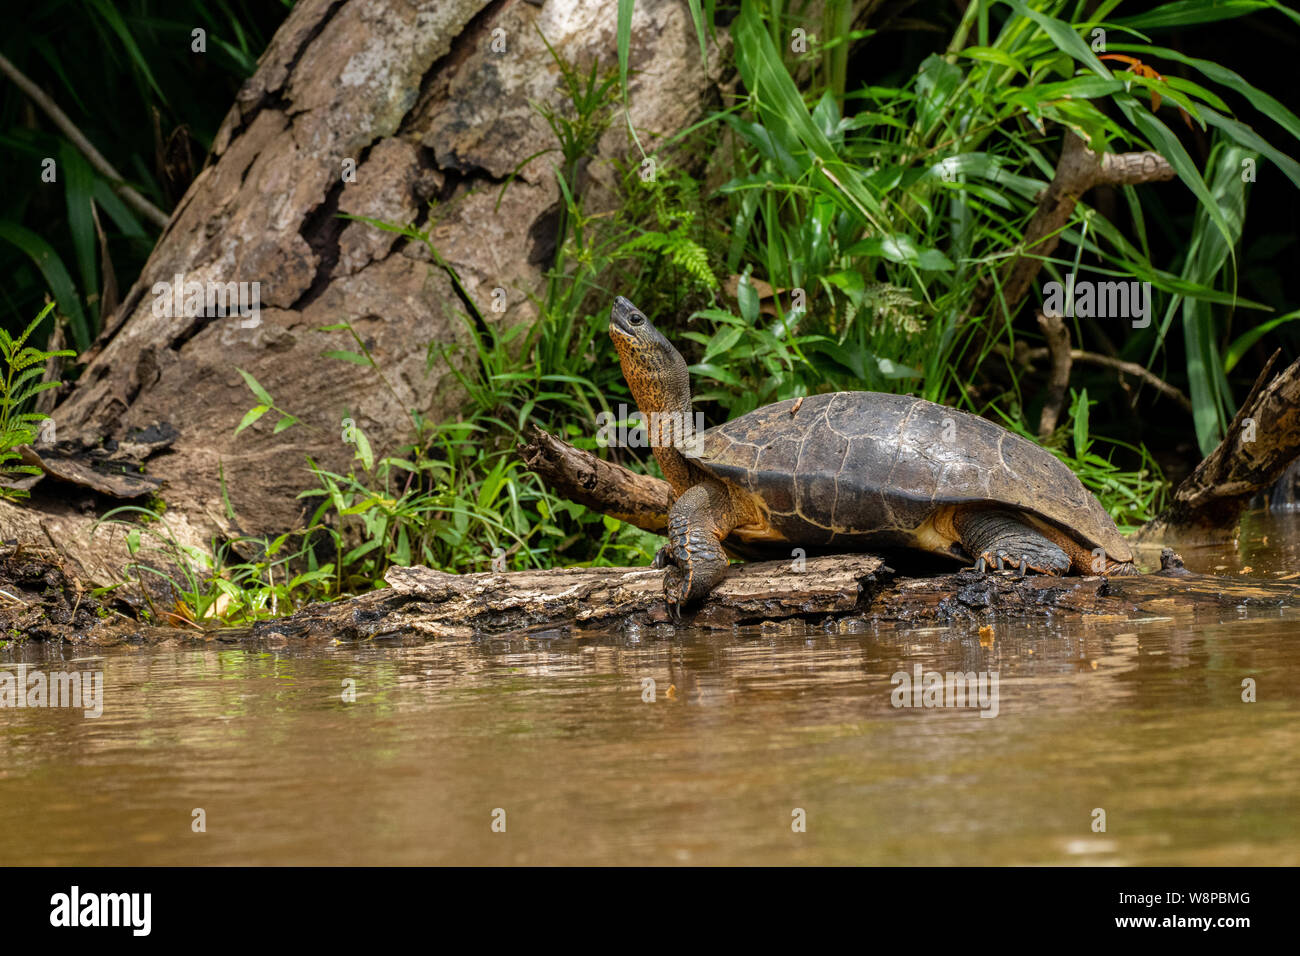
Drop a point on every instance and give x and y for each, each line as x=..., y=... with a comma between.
x=1142, y=719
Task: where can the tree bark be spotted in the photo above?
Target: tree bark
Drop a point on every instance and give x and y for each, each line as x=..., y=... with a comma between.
x=1058, y=377
x=604, y=486
x=428, y=102
x=1259, y=445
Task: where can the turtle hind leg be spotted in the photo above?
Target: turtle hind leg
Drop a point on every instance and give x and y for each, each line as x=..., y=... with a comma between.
x=1001, y=538
x=697, y=523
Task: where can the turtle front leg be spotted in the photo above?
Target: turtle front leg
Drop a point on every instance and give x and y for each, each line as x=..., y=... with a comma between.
x=697, y=523
x=1000, y=538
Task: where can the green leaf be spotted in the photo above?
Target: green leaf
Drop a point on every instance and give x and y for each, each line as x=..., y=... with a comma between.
x=901, y=248
x=701, y=28
x=722, y=342
x=118, y=211
x=936, y=81
x=1169, y=146
x=262, y=394
x=780, y=104
x=1063, y=36
x=345, y=356
x=252, y=415
x=79, y=185
x=850, y=282
x=1248, y=138
x=51, y=266
x=363, y=450
x=1257, y=98
x=708, y=370
x=988, y=54
x=625, y=8
x=747, y=297
x=1242, y=343
x=1183, y=13
x=118, y=25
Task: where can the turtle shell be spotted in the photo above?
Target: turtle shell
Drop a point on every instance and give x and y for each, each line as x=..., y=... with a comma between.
x=858, y=468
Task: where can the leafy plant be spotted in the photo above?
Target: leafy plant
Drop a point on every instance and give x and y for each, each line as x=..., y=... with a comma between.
x=24, y=366
x=126, y=75
x=1131, y=496
x=235, y=581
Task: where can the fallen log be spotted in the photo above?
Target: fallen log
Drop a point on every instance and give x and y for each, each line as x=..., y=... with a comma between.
x=42, y=600
x=603, y=486
x=1258, y=446
x=840, y=592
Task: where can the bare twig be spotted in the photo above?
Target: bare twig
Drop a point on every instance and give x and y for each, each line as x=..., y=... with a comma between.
x=1119, y=365
x=1058, y=379
x=78, y=139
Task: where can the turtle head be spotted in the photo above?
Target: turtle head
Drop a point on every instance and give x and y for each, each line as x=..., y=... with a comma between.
x=654, y=370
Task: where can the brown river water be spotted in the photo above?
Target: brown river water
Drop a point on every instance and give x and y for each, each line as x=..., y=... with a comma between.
x=750, y=737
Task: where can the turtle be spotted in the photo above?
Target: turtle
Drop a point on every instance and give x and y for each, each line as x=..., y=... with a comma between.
x=845, y=472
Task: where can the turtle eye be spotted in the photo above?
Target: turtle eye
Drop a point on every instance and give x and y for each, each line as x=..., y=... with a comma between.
x=636, y=318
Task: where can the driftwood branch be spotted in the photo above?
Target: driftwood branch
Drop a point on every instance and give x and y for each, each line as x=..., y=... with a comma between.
x=1124, y=368
x=87, y=149
x=604, y=486
x=1261, y=442
x=1062, y=359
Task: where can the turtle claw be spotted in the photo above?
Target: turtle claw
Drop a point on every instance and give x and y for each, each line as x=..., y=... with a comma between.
x=674, y=592
x=981, y=566
x=1023, y=569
